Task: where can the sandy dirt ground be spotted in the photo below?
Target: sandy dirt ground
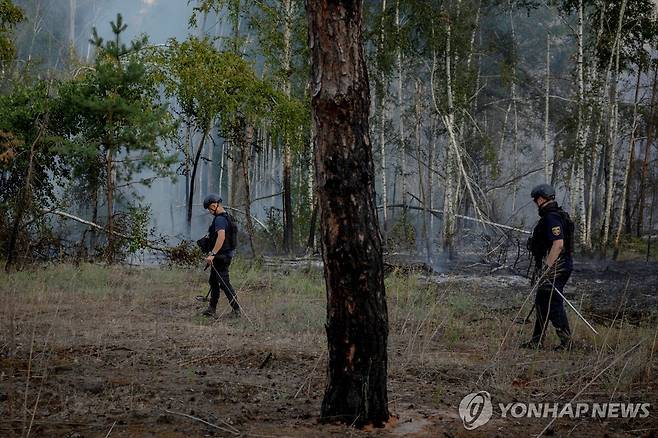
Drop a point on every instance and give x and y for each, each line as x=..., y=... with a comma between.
x=114, y=351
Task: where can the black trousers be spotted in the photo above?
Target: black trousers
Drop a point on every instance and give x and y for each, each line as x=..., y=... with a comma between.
x=219, y=279
x=549, y=306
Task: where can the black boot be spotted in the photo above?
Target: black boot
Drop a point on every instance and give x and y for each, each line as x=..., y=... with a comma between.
x=211, y=311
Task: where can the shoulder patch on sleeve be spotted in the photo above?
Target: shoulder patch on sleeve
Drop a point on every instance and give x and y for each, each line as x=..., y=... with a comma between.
x=556, y=231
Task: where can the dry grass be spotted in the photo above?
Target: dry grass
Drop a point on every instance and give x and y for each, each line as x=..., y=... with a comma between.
x=124, y=325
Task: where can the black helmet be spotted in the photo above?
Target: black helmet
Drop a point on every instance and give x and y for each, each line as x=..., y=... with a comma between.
x=211, y=199
x=544, y=190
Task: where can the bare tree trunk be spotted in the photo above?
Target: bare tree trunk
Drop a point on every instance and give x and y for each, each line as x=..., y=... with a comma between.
x=547, y=172
x=593, y=187
x=515, y=142
x=109, y=197
x=94, y=219
x=247, y=138
x=187, y=152
x=579, y=159
x=273, y=173
x=310, y=243
x=72, y=14
x=450, y=195
x=556, y=158
x=210, y=180
x=627, y=170
x=430, y=184
x=195, y=165
x=222, y=163
x=382, y=120
x=651, y=127
x=403, y=149
x=420, y=161
x=613, y=135
x=287, y=156
x=357, y=317
x=22, y=205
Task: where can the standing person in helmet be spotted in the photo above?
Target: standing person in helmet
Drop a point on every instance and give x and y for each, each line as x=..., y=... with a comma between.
x=551, y=245
x=219, y=258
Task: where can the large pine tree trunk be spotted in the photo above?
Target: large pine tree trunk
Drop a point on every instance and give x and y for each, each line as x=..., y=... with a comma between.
x=357, y=317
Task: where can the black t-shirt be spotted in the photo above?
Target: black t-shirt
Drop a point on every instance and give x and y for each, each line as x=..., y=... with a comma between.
x=220, y=222
x=552, y=227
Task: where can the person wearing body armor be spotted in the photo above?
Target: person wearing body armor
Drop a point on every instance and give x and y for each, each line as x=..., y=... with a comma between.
x=551, y=245
x=221, y=236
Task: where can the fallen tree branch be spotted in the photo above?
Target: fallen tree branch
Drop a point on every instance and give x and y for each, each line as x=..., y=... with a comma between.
x=101, y=228
x=265, y=197
x=514, y=179
x=468, y=218
x=258, y=221
x=232, y=429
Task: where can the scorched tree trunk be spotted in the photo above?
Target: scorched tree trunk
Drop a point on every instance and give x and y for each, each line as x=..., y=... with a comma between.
x=357, y=320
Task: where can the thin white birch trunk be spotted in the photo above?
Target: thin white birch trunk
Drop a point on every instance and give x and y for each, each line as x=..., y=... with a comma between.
x=627, y=170
x=593, y=188
x=515, y=141
x=547, y=171
x=612, y=136
x=382, y=120
x=403, y=154
x=72, y=15
x=419, y=160
x=578, y=167
x=449, y=203
x=221, y=169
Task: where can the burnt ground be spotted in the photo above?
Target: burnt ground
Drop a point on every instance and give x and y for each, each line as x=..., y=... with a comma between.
x=96, y=351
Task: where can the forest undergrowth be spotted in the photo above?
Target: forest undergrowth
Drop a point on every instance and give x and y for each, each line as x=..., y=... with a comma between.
x=92, y=348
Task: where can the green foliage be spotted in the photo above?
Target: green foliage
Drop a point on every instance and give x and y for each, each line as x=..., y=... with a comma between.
x=638, y=34
x=111, y=110
x=139, y=218
x=10, y=15
x=402, y=234
x=24, y=120
x=210, y=85
x=235, y=11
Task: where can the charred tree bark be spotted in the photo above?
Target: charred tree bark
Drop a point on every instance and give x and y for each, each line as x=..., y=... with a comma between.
x=195, y=166
x=310, y=243
x=288, y=217
x=247, y=140
x=357, y=317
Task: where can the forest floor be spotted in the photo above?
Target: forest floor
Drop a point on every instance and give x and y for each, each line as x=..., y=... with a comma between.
x=121, y=351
